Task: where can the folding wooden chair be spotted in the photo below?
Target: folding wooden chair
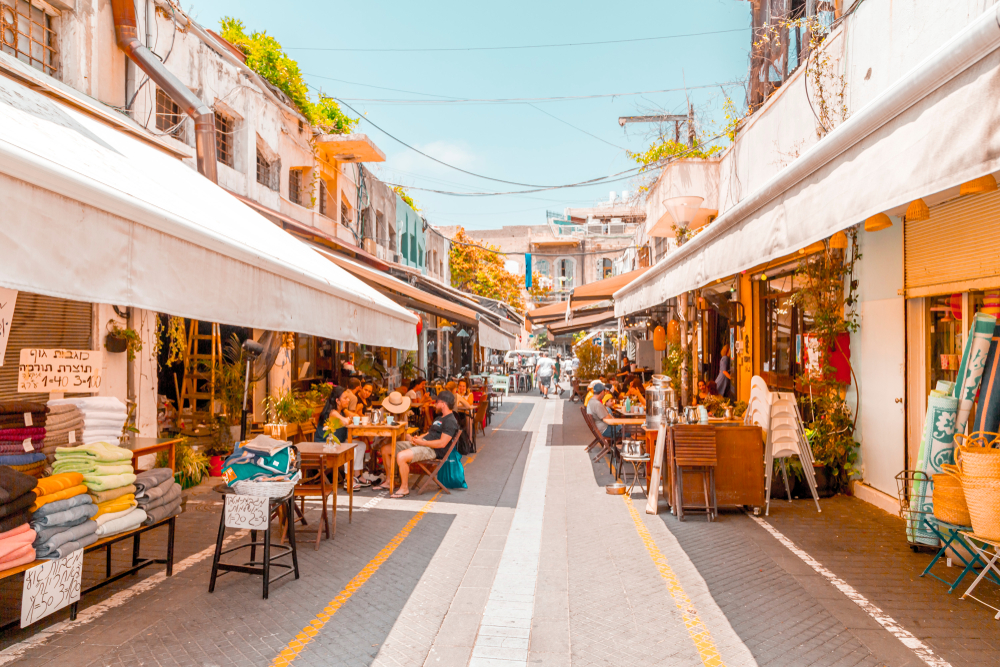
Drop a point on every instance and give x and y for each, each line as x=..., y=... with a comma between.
x=429, y=469
x=608, y=447
x=596, y=440
x=480, y=419
x=694, y=450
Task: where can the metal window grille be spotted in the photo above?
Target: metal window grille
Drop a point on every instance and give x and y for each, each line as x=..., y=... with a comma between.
x=345, y=216
x=322, y=197
x=26, y=33
x=295, y=186
x=267, y=172
x=169, y=118
x=224, y=129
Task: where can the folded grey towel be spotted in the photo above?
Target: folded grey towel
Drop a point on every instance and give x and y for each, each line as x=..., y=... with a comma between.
x=162, y=512
x=73, y=534
x=156, y=492
x=69, y=547
x=68, y=516
x=173, y=493
x=151, y=478
x=62, y=505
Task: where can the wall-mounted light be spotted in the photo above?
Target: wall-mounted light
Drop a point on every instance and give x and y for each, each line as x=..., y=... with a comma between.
x=917, y=211
x=878, y=222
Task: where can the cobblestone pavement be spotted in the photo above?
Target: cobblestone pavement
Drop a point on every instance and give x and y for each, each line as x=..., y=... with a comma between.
x=533, y=564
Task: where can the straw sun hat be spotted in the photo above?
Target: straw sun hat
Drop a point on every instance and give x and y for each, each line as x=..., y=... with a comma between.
x=396, y=403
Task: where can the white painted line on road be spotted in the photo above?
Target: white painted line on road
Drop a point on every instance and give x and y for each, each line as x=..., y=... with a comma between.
x=94, y=612
x=902, y=634
x=510, y=607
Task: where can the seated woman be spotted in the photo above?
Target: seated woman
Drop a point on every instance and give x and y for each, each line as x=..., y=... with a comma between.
x=336, y=406
x=463, y=395
x=637, y=392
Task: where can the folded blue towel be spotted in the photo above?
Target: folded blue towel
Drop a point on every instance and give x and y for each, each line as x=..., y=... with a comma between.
x=62, y=505
x=21, y=459
x=69, y=547
x=73, y=534
x=66, y=517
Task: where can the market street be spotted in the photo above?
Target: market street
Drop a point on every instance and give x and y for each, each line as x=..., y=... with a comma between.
x=533, y=564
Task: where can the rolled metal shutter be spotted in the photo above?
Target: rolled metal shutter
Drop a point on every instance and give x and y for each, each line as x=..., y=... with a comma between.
x=43, y=321
x=956, y=250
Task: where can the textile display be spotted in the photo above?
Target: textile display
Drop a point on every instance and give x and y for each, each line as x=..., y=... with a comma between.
x=111, y=516
x=988, y=412
x=111, y=469
x=100, y=452
x=937, y=447
x=104, y=496
x=158, y=514
x=117, y=505
x=59, y=495
x=76, y=464
x=13, y=484
x=61, y=505
x=103, y=417
x=970, y=372
x=16, y=547
x=69, y=547
x=23, y=556
x=150, y=478
x=21, y=459
x=62, y=421
x=66, y=517
x=106, y=482
x=246, y=464
x=54, y=483
x=18, y=504
x=129, y=521
x=36, y=469
x=69, y=535
x=156, y=492
x=170, y=495
x=12, y=521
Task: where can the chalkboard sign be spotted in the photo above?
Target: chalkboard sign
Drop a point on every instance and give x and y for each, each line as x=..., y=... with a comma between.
x=51, y=586
x=250, y=512
x=55, y=371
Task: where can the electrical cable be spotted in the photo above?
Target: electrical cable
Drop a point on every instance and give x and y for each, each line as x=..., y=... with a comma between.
x=470, y=173
x=578, y=129
x=517, y=47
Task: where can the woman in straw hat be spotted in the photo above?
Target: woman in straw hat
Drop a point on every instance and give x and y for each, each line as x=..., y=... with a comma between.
x=398, y=405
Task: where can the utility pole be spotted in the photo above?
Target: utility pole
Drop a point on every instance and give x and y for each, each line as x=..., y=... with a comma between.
x=676, y=119
x=690, y=121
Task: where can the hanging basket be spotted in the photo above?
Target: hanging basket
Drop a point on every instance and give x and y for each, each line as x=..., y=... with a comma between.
x=949, y=498
x=115, y=344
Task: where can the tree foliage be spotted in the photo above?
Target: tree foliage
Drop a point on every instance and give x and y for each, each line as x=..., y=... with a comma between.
x=405, y=197
x=667, y=149
x=479, y=269
x=265, y=56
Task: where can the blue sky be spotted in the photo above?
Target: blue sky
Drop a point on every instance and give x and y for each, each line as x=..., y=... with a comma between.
x=513, y=142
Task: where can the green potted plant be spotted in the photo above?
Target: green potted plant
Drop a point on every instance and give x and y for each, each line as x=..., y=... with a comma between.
x=831, y=437
x=221, y=446
x=286, y=416
x=121, y=339
x=190, y=466
x=230, y=375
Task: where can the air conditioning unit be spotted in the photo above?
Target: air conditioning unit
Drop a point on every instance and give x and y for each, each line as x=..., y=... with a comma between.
x=396, y=258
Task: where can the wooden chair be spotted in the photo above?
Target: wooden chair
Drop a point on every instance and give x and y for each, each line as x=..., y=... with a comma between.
x=480, y=418
x=586, y=418
x=694, y=450
x=608, y=447
x=314, y=483
x=429, y=469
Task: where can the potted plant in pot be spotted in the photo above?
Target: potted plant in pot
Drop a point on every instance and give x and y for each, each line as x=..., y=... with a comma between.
x=122, y=339
x=831, y=437
x=230, y=374
x=286, y=416
x=190, y=466
x=221, y=446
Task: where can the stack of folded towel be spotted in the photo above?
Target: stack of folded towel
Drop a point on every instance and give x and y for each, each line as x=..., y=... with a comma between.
x=62, y=517
x=22, y=430
x=108, y=476
x=16, y=547
x=103, y=417
x=63, y=428
x=17, y=494
x=158, y=494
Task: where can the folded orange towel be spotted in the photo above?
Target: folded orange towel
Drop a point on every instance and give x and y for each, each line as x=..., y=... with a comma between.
x=118, y=504
x=58, y=495
x=53, y=483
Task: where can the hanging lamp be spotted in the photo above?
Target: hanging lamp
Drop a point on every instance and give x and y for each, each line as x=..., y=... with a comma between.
x=878, y=222
x=917, y=211
x=978, y=185
x=839, y=241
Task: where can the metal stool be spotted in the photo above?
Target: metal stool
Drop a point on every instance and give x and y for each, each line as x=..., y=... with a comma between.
x=951, y=538
x=275, y=505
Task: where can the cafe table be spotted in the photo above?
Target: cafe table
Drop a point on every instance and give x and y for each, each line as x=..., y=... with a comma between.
x=394, y=432
x=334, y=457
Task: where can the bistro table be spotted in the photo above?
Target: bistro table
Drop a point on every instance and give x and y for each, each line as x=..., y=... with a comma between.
x=143, y=446
x=393, y=431
x=333, y=456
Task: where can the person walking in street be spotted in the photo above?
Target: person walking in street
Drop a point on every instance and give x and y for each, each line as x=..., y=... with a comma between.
x=544, y=369
x=558, y=375
x=724, y=381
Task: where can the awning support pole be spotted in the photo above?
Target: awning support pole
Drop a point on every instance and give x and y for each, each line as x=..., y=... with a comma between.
x=683, y=312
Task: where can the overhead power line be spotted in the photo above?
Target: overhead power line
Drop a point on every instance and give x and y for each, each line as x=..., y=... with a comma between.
x=516, y=47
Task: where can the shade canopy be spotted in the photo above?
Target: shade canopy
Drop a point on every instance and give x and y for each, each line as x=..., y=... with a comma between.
x=582, y=323
x=924, y=134
x=602, y=290
x=93, y=214
x=548, y=313
x=492, y=337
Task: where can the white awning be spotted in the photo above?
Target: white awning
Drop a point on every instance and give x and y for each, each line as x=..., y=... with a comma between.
x=492, y=337
x=92, y=214
x=932, y=130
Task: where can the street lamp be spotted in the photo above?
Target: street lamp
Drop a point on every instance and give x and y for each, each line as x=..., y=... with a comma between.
x=683, y=209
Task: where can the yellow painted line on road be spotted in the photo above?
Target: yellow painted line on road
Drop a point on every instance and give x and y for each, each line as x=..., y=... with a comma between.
x=302, y=639
x=700, y=635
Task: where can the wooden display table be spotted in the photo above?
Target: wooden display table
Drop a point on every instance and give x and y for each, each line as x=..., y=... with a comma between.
x=739, y=474
x=143, y=446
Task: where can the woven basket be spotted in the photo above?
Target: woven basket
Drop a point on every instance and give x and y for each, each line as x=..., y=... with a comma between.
x=949, y=498
x=977, y=455
x=268, y=489
x=982, y=495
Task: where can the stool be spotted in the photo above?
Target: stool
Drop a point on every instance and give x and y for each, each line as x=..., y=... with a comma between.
x=950, y=535
x=275, y=505
x=635, y=461
x=694, y=450
x=989, y=563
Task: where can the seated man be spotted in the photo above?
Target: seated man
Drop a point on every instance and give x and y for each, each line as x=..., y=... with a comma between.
x=425, y=447
x=599, y=412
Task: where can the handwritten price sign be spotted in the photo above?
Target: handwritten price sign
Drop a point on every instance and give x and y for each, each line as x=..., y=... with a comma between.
x=250, y=512
x=51, y=370
x=50, y=587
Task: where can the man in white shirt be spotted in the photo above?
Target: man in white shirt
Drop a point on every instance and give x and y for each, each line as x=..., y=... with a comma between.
x=545, y=368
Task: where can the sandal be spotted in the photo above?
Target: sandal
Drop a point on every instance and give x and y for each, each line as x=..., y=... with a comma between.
x=399, y=495
x=360, y=484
